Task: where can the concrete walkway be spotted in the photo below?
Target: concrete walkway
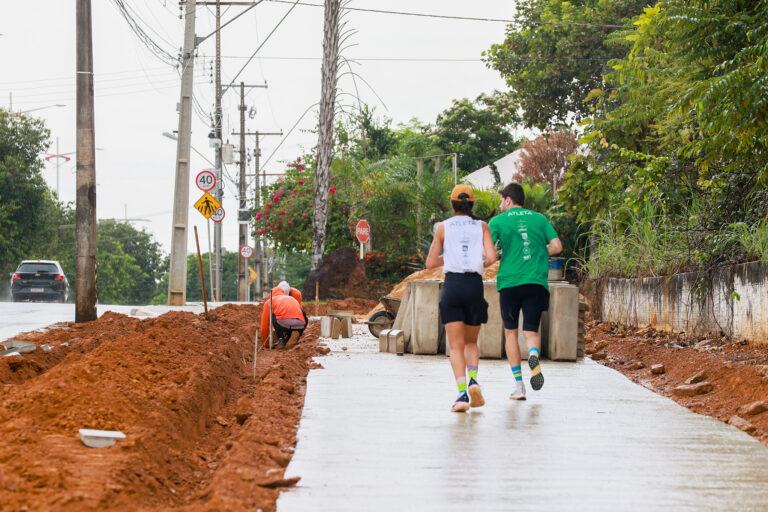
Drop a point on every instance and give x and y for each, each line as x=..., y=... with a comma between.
x=377, y=434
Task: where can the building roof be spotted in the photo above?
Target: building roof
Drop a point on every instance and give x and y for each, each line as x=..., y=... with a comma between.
x=506, y=165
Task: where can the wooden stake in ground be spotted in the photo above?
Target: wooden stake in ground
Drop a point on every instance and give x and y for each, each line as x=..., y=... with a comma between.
x=317, y=298
x=329, y=73
x=202, y=278
x=255, y=352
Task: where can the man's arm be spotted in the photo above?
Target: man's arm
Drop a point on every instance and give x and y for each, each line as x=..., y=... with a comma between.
x=555, y=246
x=489, y=251
x=434, y=259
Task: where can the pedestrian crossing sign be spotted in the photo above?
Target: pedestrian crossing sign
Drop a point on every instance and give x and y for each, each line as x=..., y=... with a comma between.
x=207, y=205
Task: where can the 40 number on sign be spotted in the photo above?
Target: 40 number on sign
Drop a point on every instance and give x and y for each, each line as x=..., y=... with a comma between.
x=205, y=180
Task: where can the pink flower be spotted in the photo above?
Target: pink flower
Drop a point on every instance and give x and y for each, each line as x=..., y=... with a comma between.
x=300, y=167
x=289, y=223
x=301, y=182
x=281, y=192
x=293, y=192
x=303, y=215
x=282, y=213
x=298, y=159
x=332, y=190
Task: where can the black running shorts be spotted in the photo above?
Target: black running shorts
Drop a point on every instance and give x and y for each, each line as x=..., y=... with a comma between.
x=533, y=299
x=462, y=299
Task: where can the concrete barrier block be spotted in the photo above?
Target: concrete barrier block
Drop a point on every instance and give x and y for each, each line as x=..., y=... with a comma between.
x=383, y=340
x=396, y=341
x=335, y=328
x=403, y=320
x=325, y=326
x=425, y=318
x=562, y=326
x=490, y=340
x=346, y=327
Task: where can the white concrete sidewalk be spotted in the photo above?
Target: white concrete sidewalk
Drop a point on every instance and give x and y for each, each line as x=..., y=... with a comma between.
x=377, y=434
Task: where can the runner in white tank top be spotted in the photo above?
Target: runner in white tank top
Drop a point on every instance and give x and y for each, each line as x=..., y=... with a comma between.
x=463, y=247
x=467, y=249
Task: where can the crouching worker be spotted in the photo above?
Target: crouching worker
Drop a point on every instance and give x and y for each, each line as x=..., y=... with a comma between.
x=288, y=317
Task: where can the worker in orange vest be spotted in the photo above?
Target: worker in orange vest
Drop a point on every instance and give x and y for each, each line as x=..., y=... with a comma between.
x=288, y=316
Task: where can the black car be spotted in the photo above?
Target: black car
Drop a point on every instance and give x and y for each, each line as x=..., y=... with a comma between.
x=39, y=280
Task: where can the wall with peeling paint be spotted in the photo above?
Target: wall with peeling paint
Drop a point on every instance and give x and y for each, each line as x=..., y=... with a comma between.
x=732, y=299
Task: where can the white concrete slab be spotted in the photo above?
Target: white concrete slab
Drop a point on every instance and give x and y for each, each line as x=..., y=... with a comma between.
x=377, y=434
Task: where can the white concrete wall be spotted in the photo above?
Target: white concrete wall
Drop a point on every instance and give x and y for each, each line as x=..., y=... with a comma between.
x=732, y=299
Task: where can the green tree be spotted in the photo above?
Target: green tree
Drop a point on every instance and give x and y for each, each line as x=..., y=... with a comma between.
x=479, y=131
x=129, y=264
x=556, y=52
x=26, y=204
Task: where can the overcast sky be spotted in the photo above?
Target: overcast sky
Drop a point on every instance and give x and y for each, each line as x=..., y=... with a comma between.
x=136, y=93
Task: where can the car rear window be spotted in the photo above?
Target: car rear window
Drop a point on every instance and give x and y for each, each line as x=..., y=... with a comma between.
x=38, y=268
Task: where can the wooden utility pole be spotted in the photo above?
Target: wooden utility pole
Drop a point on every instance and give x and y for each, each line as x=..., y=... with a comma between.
x=85, y=217
x=177, y=274
x=329, y=79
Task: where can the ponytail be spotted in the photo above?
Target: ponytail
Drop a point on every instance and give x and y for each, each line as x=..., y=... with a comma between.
x=464, y=206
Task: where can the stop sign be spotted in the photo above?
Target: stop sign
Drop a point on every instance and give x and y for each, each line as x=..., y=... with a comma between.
x=363, y=231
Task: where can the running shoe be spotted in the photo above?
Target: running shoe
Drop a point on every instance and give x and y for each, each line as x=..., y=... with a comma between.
x=462, y=403
x=519, y=392
x=537, y=379
x=475, y=394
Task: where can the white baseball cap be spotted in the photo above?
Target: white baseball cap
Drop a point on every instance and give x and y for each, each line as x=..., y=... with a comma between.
x=285, y=286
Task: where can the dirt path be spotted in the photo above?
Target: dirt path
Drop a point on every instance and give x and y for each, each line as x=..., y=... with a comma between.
x=710, y=375
x=202, y=433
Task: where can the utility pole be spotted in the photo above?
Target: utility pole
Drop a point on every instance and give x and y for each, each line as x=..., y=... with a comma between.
x=219, y=191
x=177, y=277
x=242, y=281
x=86, y=227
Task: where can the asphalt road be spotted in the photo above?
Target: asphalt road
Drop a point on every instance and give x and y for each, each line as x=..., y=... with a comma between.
x=18, y=317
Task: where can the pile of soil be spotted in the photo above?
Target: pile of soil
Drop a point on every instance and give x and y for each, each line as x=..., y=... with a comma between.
x=356, y=305
x=722, y=378
x=341, y=275
x=202, y=432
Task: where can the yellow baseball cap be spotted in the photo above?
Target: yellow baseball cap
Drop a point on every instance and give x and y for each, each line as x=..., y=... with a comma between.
x=458, y=190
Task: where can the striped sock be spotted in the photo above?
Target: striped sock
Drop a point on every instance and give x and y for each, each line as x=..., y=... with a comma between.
x=517, y=372
x=462, y=383
x=534, y=351
x=472, y=372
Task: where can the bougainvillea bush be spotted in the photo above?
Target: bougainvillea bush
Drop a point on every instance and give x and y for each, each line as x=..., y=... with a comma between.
x=285, y=217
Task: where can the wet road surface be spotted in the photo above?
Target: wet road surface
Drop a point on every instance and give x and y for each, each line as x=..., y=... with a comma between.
x=377, y=434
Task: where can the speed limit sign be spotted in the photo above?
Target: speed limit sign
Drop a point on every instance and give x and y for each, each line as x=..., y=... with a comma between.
x=218, y=216
x=206, y=180
x=246, y=251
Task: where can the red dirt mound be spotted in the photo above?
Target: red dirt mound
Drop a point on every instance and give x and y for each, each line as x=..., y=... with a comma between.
x=202, y=433
x=736, y=370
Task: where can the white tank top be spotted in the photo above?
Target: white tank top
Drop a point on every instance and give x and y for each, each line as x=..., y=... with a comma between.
x=463, y=247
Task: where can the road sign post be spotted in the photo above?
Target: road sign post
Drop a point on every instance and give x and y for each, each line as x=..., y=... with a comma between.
x=363, y=234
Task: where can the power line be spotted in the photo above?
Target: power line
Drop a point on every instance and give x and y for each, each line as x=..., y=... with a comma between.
x=157, y=50
x=463, y=18
x=263, y=42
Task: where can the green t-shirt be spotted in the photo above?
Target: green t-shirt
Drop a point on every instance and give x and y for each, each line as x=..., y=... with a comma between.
x=524, y=236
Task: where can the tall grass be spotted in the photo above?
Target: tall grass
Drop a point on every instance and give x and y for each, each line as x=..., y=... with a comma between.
x=753, y=239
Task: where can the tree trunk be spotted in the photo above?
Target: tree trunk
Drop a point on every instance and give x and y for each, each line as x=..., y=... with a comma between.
x=325, y=128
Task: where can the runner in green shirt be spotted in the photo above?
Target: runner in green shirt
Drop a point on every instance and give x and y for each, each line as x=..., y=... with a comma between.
x=527, y=240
